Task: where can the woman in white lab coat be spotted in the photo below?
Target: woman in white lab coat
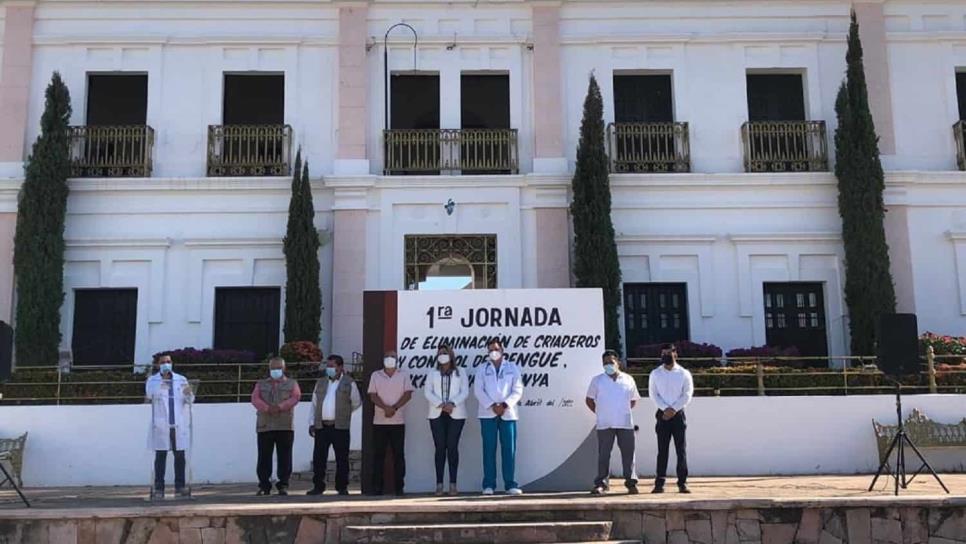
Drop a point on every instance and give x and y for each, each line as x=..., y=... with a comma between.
x=170, y=396
x=446, y=390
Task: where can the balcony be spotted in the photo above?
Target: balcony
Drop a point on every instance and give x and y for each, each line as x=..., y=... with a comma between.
x=111, y=151
x=648, y=147
x=785, y=146
x=249, y=150
x=465, y=151
x=959, y=133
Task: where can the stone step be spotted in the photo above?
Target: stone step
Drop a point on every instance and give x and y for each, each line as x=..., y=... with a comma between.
x=479, y=533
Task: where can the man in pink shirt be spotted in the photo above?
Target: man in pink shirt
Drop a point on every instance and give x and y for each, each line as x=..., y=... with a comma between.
x=389, y=389
x=275, y=399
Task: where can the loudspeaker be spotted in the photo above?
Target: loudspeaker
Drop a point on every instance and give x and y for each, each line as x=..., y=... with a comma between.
x=898, y=344
x=6, y=351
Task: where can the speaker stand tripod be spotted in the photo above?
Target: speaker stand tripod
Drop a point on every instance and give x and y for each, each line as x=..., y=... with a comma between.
x=898, y=445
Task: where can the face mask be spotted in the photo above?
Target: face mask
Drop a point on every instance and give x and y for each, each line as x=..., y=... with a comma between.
x=667, y=359
x=443, y=358
x=495, y=355
x=276, y=373
x=165, y=368
x=610, y=369
x=330, y=371
x=389, y=362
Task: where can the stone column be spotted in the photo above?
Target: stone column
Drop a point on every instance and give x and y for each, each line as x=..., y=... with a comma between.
x=8, y=226
x=552, y=226
x=548, y=155
x=349, y=217
x=15, y=72
x=872, y=32
x=353, y=111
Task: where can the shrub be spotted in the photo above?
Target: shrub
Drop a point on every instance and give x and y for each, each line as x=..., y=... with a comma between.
x=942, y=344
x=763, y=351
x=192, y=355
x=704, y=355
x=301, y=351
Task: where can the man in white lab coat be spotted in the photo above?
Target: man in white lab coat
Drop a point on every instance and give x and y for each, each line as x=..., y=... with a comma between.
x=170, y=396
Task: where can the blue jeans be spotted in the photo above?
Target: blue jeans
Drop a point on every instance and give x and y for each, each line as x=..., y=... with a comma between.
x=490, y=428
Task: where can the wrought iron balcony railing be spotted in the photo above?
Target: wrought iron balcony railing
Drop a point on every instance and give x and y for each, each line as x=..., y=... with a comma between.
x=249, y=150
x=785, y=146
x=649, y=147
x=111, y=151
x=469, y=151
x=959, y=133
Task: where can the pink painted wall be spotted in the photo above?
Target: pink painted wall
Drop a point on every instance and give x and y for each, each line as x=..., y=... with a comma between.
x=348, y=280
x=896, y=225
x=8, y=226
x=872, y=32
x=547, y=82
x=353, y=114
x=553, y=247
x=15, y=69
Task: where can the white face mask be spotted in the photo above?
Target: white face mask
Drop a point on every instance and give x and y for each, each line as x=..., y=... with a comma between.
x=495, y=355
x=389, y=362
x=443, y=358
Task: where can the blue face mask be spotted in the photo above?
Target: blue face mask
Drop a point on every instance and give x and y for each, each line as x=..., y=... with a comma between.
x=610, y=369
x=165, y=368
x=276, y=373
x=330, y=371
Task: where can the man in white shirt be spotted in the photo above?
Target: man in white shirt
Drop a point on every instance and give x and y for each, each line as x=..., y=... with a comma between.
x=333, y=401
x=612, y=395
x=498, y=388
x=671, y=387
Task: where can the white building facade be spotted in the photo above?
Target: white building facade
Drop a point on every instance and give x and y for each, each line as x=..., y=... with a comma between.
x=178, y=241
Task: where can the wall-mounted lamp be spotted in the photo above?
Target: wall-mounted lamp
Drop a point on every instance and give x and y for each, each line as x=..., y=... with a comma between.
x=449, y=206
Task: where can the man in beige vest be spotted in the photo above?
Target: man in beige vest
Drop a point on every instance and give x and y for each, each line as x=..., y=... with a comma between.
x=275, y=399
x=333, y=401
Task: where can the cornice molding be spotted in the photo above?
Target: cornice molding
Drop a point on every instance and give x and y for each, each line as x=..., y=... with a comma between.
x=132, y=243
x=784, y=237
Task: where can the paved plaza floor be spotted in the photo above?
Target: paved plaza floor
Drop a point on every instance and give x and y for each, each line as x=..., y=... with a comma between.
x=76, y=501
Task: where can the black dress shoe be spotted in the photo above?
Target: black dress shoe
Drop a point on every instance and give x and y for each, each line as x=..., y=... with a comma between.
x=683, y=488
x=315, y=491
x=343, y=492
x=283, y=491
x=632, y=490
x=658, y=489
x=263, y=492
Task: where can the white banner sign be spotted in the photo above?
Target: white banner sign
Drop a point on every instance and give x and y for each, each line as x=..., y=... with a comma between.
x=555, y=337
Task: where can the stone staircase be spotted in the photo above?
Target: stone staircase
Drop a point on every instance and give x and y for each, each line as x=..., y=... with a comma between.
x=482, y=533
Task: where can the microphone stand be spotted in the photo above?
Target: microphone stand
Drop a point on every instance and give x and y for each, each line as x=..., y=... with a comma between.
x=898, y=445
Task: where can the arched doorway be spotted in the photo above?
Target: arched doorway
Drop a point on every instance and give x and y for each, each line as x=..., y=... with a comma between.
x=450, y=262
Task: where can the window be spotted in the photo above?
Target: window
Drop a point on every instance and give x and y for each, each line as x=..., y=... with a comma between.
x=414, y=100
x=655, y=313
x=105, y=322
x=795, y=317
x=254, y=99
x=486, y=143
x=247, y=318
x=117, y=99
x=775, y=97
x=961, y=94
x=643, y=98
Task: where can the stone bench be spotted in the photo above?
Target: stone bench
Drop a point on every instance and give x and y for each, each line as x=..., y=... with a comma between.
x=927, y=434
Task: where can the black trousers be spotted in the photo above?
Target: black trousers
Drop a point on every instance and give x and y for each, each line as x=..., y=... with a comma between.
x=268, y=442
x=446, y=438
x=161, y=465
x=393, y=436
x=666, y=430
x=325, y=436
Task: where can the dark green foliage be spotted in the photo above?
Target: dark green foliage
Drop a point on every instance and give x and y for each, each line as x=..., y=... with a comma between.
x=595, y=252
x=303, y=296
x=39, y=241
x=869, y=291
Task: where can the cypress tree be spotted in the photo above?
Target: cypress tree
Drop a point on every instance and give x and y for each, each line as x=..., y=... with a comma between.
x=595, y=252
x=869, y=291
x=39, y=241
x=303, y=296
